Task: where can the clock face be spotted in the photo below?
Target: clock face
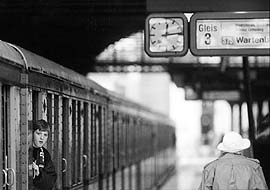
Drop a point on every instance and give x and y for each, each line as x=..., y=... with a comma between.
x=166, y=35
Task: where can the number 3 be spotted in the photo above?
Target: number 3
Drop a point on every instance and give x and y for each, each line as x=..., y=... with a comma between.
x=207, y=40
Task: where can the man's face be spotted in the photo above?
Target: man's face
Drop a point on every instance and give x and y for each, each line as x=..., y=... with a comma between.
x=40, y=138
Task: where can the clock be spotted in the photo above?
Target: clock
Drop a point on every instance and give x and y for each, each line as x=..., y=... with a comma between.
x=165, y=35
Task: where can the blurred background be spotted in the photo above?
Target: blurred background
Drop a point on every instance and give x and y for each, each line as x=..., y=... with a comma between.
x=200, y=125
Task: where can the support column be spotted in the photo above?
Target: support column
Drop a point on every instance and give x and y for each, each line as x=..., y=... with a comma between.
x=248, y=96
x=232, y=117
x=240, y=118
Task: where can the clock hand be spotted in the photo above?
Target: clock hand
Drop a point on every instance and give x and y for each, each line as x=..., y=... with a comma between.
x=169, y=34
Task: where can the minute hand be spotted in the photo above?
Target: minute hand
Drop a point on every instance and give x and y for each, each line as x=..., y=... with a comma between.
x=169, y=34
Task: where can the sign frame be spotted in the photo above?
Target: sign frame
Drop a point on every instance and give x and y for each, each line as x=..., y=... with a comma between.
x=225, y=16
x=166, y=53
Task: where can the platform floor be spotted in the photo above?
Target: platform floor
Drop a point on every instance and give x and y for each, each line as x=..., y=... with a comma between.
x=188, y=174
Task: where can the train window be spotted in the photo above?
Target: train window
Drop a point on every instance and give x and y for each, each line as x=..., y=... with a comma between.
x=50, y=121
x=125, y=155
x=35, y=105
x=66, y=154
x=101, y=122
x=133, y=128
x=4, y=134
x=87, y=142
x=127, y=140
x=110, y=143
x=79, y=141
x=123, y=151
x=121, y=139
x=76, y=143
x=73, y=149
x=93, y=141
x=57, y=138
x=116, y=140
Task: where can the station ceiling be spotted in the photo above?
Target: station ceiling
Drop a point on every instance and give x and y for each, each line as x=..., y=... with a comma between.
x=69, y=32
x=73, y=32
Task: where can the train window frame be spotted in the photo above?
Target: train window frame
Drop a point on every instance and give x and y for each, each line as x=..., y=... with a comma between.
x=87, y=142
x=223, y=16
x=94, y=142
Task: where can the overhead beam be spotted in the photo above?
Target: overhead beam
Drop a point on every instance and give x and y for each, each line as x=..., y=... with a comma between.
x=192, y=6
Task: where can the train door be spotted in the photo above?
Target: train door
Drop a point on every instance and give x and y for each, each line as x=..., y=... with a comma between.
x=66, y=156
x=9, y=117
x=48, y=106
x=72, y=143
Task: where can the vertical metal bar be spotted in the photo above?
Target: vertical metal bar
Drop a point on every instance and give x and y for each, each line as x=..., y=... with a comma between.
x=24, y=140
x=260, y=114
x=73, y=145
x=53, y=124
x=92, y=141
x=75, y=142
x=48, y=105
x=248, y=94
x=58, y=137
x=56, y=150
x=81, y=139
x=14, y=142
x=113, y=149
x=240, y=119
x=232, y=117
x=100, y=147
x=5, y=128
x=29, y=114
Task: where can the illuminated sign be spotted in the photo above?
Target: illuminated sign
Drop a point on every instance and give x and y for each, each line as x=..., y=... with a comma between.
x=166, y=35
x=230, y=34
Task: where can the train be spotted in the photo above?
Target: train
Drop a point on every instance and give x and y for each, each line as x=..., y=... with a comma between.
x=99, y=139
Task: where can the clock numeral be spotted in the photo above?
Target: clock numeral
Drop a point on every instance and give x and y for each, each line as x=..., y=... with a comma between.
x=153, y=42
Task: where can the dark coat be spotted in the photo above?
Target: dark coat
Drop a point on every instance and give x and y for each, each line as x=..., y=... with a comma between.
x=232, y=171
x=47, y=177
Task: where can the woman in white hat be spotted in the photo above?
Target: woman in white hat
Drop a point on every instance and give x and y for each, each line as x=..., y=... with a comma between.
x=232, y=170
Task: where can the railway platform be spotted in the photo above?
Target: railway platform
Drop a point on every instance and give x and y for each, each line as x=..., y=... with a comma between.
x=188, y=174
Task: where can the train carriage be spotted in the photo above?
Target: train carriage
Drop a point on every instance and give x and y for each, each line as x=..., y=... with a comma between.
x=98, y=139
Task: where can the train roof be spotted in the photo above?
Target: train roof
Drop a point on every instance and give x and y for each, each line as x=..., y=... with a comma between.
x=32, y=62
x=35, y=63
x=7, y=52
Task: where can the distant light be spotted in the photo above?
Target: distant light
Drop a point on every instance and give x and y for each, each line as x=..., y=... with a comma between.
x=210, y=60
x=240, y=12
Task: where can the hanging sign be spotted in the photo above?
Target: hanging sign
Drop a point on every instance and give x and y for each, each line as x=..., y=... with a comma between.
x=230, y=34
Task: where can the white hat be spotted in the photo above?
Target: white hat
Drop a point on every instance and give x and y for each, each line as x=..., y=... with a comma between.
x=233, y=142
